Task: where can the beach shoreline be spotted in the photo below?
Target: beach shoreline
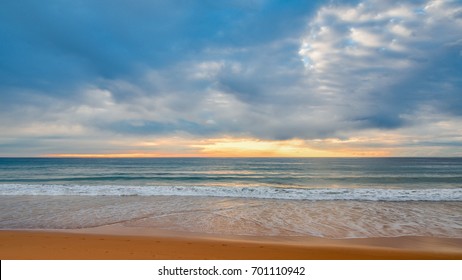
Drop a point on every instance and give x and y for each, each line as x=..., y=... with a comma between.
x=231, y=208
x=117, y=242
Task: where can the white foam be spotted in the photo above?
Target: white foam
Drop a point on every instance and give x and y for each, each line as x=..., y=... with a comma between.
x=313, y=194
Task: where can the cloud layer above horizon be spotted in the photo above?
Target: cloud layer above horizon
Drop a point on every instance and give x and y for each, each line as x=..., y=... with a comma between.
x=192, y=78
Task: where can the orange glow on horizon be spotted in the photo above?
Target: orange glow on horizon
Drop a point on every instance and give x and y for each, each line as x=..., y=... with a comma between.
x=235, y=147
x=258, y=148
x=127, y=155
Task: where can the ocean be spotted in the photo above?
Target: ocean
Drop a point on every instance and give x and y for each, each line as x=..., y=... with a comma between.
x=324, y=197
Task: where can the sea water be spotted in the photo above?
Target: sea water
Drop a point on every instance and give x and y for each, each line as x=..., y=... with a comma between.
x=326, y=197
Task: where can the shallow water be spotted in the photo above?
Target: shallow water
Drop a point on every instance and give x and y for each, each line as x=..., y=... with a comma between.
x=236, y=216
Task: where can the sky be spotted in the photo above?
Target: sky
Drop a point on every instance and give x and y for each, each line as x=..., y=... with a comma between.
x=231, y=78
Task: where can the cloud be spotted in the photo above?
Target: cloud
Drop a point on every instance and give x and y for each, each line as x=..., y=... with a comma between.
x=77, y=76
x=62, y=43
x=385, y=59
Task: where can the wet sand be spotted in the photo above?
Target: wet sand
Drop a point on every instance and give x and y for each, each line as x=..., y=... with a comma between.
x=95, y=244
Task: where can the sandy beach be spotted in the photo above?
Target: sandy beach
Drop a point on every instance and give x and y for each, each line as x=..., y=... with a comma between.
x=124, y=245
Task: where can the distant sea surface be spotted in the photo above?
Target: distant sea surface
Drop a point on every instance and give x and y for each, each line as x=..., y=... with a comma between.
x=328, y=197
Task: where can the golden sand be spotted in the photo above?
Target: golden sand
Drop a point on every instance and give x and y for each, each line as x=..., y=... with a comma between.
x=90, y=246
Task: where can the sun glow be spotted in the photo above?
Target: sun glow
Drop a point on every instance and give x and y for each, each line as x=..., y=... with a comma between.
x=258, y=148
x=235, y=147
